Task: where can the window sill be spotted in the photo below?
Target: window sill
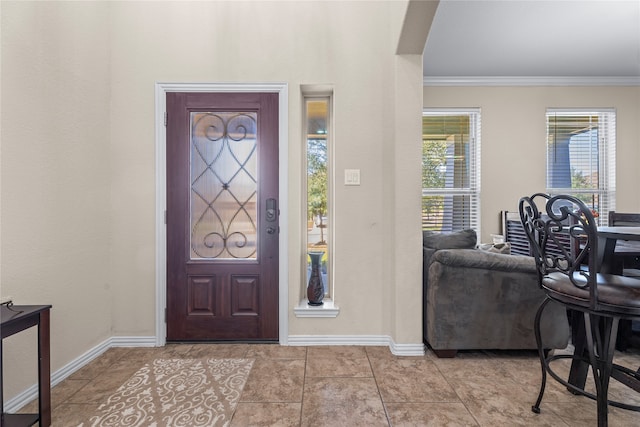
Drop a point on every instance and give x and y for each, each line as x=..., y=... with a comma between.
x=328, y=309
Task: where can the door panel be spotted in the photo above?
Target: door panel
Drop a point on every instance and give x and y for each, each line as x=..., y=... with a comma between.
x=201, y=295
x=222, y=217
x=245, y=296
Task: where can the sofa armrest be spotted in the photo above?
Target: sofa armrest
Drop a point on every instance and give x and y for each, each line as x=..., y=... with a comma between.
x=427, y=253
x=476, y=258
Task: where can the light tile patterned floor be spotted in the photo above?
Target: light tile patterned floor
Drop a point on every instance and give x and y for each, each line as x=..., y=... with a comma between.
x=361, y=386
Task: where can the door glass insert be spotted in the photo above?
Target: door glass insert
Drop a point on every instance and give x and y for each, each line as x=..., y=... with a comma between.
x=223, y=196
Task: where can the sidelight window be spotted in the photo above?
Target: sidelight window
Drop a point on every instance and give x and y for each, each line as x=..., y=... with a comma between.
x=318, y=220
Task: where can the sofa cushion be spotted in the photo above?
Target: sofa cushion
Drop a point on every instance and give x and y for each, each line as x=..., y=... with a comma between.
x=485, y=260
x=499, y=248
x=464, y=239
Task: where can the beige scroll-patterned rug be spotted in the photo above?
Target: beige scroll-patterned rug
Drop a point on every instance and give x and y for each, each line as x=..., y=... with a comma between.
x=177, y=392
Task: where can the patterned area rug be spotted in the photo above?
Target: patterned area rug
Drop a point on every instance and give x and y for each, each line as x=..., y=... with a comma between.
x=177, y=392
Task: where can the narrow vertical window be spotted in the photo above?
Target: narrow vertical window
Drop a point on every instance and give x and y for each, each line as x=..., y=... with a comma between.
x=317, y=210
x=581, y=157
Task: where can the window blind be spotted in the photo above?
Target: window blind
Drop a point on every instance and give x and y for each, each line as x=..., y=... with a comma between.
x=451, y=169
x=581, y=157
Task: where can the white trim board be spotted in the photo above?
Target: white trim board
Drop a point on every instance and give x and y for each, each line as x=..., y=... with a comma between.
x=30, y=393
x=362, y=340
x=529, y=81
x=161, y=90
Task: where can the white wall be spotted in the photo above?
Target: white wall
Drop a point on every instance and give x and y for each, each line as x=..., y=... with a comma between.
x=514, y=139
x=55, y=178
x=350, y=45
x=78, y=155
x=78, y=172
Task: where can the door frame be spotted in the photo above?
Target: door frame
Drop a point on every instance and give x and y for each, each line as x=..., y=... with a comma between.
x=161, y=90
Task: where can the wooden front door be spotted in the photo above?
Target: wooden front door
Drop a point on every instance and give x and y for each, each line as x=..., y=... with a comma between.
x=222, y=216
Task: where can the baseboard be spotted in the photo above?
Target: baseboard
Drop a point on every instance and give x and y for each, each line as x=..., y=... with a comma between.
x=14, y=404
x=133, y=341
x=21, y=399
x=363, y=340
x=407, y=349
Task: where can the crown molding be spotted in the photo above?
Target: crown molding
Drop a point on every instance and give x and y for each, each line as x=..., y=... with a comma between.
x=530, y=81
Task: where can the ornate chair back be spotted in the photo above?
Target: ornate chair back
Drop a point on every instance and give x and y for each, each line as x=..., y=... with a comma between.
x=574, y=257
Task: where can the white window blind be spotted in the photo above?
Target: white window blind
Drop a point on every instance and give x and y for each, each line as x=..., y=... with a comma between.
x=581, y=157
x=451, y=169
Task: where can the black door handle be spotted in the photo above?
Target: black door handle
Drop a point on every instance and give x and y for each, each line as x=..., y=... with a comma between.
x=272, y=210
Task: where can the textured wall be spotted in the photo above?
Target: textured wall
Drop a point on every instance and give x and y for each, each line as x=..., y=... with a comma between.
x=78, y=155
x=55, y=177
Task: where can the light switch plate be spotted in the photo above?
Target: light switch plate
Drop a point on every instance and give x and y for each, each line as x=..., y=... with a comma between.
x=352, y=177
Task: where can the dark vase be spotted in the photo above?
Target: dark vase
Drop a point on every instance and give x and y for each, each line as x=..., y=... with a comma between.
x=315, y=288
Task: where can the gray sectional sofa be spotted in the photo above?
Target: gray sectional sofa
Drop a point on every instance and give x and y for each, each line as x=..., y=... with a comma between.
x=477, y=299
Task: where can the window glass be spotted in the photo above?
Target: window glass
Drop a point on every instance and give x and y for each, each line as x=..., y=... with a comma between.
x=224, y=189
x=450, y=170
x=581, y=157
x=317, y=195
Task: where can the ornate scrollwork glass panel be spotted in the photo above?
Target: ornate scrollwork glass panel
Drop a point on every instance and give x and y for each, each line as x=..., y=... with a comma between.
x=223, y=198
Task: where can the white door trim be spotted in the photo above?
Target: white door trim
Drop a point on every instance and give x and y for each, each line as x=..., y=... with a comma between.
x=161, y=90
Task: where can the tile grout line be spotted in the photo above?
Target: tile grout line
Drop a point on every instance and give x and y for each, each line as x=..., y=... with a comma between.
x=375, y=380
x=304, y=382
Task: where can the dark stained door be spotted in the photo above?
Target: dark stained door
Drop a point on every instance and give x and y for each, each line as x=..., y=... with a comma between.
x=222, y=216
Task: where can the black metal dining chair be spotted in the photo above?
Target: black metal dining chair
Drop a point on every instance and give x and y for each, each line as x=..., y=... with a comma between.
x=628, y=253
x=568, y=274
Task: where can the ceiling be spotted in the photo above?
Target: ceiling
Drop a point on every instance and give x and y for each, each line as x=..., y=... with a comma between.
x=534, y=39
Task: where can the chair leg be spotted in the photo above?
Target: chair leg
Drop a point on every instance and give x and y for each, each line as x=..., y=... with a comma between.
x=541, y=353
x=601, y=341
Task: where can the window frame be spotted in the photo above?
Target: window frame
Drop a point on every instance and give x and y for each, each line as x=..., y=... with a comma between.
x=328, y=308
x=474, y=157
x=606, y=191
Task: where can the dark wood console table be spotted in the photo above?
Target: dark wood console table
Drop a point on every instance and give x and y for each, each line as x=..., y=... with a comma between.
x=17, y=318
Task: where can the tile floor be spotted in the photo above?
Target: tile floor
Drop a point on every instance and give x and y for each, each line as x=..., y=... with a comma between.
x=361, y=386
